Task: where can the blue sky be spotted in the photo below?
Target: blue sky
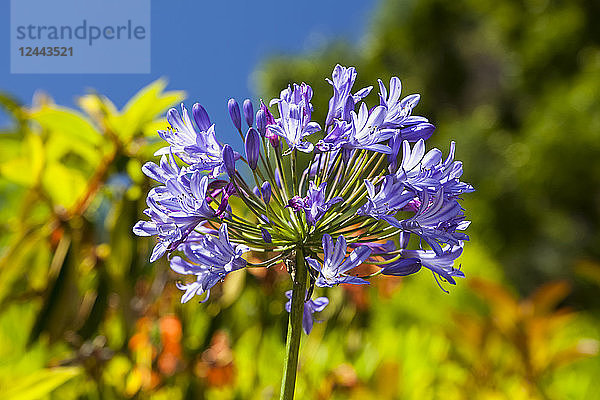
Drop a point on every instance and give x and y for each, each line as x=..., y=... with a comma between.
x=208, y=49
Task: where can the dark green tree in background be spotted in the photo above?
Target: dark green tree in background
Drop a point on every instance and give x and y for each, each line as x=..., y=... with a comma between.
x=517, y=84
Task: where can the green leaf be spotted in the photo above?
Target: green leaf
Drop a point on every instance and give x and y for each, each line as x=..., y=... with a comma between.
x=40, y=383
x=64, y=185
x=25, y=168
x=72, y=124
x=144, y=107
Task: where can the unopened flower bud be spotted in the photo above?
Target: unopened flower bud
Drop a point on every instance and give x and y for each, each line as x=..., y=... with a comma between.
x=248, y=112
x=266, y=192
x=261, y=122
x=229, y=160
x=234, y=113
x=266, y=235
x=273, y=139
x=201, y=117
x=252, y=145
x=402, y=267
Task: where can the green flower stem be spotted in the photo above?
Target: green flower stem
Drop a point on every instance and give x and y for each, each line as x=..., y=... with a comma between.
x=294, y=172
x=292, y=347
x=282, y=175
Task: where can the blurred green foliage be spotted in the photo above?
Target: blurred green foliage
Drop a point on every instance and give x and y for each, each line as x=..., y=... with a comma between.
x=84, y=315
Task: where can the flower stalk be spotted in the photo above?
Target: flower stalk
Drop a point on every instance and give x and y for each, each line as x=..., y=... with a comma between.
x=294, y=330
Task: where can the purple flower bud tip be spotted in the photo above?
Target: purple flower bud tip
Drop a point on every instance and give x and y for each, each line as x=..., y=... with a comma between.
x=229, y=159
x=252, y=145
x=273, y=139
x=266, y=192
x=234, y=113
x=256, y=191
x=201, y=117
x=248, y=112
x=261, y=122
x=266, y=235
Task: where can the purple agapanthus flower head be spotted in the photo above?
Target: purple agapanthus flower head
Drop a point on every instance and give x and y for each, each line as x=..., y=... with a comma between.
x=294, y=122
x=176, y=208
x=414, y=197
x=310, y=307
x=333, y=270
x=211, y=258
x=315, y=205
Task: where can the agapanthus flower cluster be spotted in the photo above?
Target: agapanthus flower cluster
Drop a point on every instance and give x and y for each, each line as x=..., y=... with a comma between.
x=370, y=193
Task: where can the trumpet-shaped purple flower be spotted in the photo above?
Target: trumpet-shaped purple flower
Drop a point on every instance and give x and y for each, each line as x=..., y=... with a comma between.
x=427, y=171
x=315, y=205
x=336, y=137
x=391, y=197
x=437, y=221
x=310, y=307
x=333, y=270
x=211, y=258
x=200, y=150
x=441, y=265
x=364, y=131
x=367, y=132
x=399, y=110
x=174, y=209
x=167, y=169
x=342, y=81
x=294, y=123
